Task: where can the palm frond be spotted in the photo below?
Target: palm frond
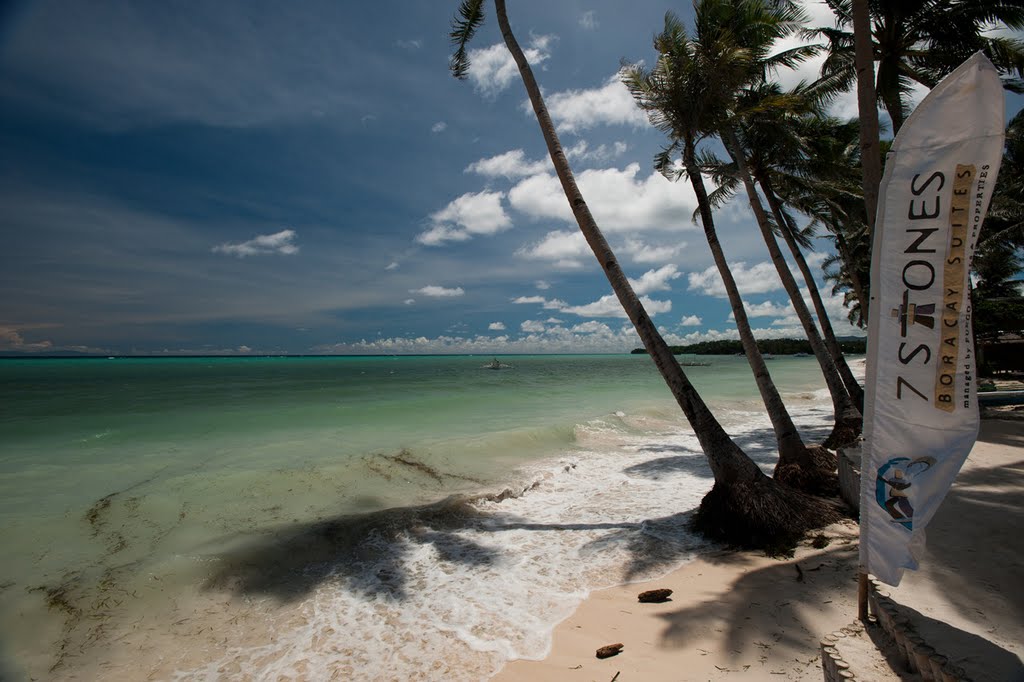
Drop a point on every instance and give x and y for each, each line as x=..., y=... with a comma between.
x=464, y=26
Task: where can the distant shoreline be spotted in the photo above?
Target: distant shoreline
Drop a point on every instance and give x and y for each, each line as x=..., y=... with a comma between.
x=849, y=345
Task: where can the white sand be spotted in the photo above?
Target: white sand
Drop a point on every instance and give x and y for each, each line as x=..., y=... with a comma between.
x=738, y=615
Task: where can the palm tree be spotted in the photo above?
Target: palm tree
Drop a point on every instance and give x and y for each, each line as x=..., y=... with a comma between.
x=680, y=100
x=744, y=506
x=920, y=41
x=731, y=48
x=791, y=148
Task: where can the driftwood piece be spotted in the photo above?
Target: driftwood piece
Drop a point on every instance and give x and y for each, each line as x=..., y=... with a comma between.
x=609, y=650
x=654, y=596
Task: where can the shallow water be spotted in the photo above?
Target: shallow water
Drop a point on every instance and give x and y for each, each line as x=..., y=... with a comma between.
x=249, y=518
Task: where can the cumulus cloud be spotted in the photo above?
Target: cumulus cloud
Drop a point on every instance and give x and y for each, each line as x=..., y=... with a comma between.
x=409, y=301
x=642, y=252
x=542, y=285
x=532, y=326
x=588, y=22
x=434, y=291
x=766, y=309
x=280, y=242
x=392, y=265
x=591, y=327
x=553, y=304
x=438, y=127
x=11, y=339
x=621, y=199
x=581, y=151
x=496, y=326
x=655, y=280
x=512, y=164
x=690, y=321
x=471, y=214
x=492, y=69
x=609, y=104
x=609, y=306
x=566, y=249
x=757, y=279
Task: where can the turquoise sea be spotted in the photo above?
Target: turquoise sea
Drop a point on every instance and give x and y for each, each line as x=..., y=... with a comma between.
x=358, y=518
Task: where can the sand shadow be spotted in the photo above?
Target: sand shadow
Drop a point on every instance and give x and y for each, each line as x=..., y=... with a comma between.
x=968, y=650
x=971, y=566
x=740, y=610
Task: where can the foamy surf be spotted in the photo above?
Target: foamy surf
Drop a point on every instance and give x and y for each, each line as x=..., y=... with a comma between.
x=451, y=590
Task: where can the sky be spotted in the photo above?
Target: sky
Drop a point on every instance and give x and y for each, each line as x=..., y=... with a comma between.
x=259, y=177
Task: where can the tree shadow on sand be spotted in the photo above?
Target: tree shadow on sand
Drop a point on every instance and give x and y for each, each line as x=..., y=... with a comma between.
x=740, y=610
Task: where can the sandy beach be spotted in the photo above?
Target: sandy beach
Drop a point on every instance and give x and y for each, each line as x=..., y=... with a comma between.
x=741, y=615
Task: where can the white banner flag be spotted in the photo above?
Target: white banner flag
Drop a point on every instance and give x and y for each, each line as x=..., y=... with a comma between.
x=921, y=412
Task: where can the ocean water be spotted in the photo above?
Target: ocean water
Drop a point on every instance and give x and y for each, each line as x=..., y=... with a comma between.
x=356, y=518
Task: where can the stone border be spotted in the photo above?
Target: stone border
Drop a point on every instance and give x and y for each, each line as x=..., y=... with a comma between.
x=913, y=651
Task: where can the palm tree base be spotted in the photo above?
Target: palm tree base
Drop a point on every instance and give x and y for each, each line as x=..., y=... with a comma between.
x=761, y=514
x=846, y=432
x=817, y=475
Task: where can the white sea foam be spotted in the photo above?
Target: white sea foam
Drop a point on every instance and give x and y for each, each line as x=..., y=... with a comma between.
x=456, y=598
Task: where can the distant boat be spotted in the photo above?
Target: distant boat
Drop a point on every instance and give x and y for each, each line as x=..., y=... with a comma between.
x=692, y=361
x=494, y=364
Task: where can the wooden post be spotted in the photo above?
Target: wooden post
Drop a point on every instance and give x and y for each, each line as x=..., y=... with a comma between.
x=862, y=596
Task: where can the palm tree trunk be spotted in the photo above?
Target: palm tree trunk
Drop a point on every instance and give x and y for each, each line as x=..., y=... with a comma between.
x=744, y=506
x=828, y=334
x=867, y=104
x=795, y=465
x=848, y=420
x=728, y=462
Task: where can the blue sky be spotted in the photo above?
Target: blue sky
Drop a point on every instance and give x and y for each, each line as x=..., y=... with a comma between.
x=260, y=177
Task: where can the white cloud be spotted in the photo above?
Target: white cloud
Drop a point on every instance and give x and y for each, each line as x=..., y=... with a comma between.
x=621, y=200
x=641, y=252
x=438, y=127
x=553, y=320
x=438, y=292
x=550, y=340
x=588, y=22
x=610, y=104
x=470, y=214
x=591, y=327
x=512, y=164
x=553, y=304
x=565, y=249
x=655, y=280
x=492, y=69
x=392, y=265
x=280, y=242
x=532, y=326
x=581, y=151
x=409, y=44
x=542, y=285
x=690, y=321
x=496, y=326
x=766, y=309
x=609, y=306
x=759, y=279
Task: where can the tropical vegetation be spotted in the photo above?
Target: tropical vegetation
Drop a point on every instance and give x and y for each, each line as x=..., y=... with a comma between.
x=804, y=174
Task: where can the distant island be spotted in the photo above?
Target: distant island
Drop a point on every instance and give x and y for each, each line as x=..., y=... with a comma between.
x=850, y=346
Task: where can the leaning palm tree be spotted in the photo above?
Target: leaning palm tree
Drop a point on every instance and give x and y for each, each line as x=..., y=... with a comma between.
x=681, y=101
x=780, y=150
x=744, y=506
x=921, y=41
x=731, y=48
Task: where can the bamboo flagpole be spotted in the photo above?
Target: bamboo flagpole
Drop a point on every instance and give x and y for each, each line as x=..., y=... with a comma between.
x=921, y=412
